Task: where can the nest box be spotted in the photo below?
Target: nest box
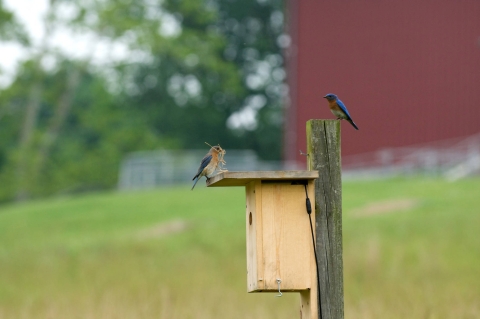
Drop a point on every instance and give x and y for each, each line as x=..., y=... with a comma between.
x=279, y=240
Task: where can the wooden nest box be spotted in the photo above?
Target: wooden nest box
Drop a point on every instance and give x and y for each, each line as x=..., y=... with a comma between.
x=279, y=240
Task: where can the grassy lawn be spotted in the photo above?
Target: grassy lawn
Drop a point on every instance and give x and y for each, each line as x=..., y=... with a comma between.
x=411, y=250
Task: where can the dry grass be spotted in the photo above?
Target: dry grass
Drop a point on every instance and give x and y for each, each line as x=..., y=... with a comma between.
x=385, y=207
x=163, y=229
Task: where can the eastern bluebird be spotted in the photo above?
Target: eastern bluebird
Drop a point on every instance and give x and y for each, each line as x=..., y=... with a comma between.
x=339, y=109
x=209, y=163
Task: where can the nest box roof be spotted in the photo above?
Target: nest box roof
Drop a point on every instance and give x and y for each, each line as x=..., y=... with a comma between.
x=243, y=178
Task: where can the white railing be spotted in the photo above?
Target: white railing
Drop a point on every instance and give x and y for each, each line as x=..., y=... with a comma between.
x=452, y=158
x=149, y=169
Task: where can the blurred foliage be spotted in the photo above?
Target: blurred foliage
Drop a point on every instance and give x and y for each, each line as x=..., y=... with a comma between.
x=195, y=72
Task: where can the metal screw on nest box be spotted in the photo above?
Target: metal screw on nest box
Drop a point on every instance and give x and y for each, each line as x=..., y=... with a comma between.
x=279, y=281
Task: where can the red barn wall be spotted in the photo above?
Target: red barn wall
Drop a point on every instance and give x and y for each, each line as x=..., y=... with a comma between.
x=408, y=71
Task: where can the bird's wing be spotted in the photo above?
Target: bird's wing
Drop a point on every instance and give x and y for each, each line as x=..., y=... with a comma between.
x=205, y=161
x=344, y=108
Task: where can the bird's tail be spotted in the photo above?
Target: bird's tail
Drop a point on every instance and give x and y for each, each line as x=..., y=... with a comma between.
x=353, y=123
x=196, y=180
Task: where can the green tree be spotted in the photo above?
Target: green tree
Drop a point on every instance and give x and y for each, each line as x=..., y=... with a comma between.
x=255, y=39
x=195, y=71
x=214, y=70
x=79, y=135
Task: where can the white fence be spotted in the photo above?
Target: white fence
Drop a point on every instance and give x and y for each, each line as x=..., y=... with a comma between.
x=167, y=167
x=453, y=158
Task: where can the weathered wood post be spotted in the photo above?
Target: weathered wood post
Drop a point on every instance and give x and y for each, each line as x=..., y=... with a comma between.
x=323, y=149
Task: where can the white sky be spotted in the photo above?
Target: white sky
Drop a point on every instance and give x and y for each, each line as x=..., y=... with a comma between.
x=29, y=13
x=100, y=50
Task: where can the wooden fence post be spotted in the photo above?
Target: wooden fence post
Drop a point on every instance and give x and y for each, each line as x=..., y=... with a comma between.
x=323, y=149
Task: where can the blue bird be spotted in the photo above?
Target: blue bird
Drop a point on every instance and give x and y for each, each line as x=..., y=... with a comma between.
x=209, y=164
x=339, y=109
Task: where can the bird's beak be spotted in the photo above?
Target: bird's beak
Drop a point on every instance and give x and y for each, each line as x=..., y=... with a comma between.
x=325, y=97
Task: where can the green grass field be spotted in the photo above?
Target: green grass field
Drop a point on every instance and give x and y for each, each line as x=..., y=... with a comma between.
x=411, y=250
